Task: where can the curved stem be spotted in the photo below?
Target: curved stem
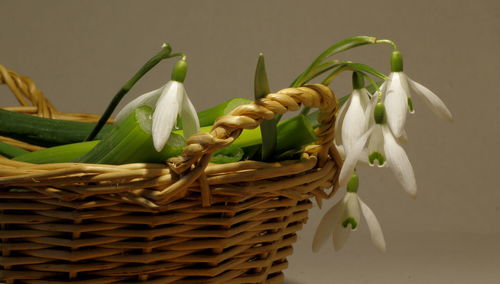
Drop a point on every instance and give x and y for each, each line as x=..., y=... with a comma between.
x=163, y=54
x=387, y=41
x=178, y=54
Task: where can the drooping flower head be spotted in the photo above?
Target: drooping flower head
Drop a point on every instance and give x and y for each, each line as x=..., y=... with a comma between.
x=344, y=217
x=397, y=92
x=168, y=102
x=382, y=148
x=352, y=122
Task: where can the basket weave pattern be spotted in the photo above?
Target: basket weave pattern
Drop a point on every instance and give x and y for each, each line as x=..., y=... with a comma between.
x=187, y=221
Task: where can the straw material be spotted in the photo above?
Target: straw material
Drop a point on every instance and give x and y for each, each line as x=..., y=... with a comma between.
x=186, y=221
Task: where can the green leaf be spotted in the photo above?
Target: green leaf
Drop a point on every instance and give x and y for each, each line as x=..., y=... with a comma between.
x=207, y=117
x=336, y=48
x=10, y=151
x=346, y=44
x=366, y=69
x=58, y=154
x=268, y=127
x=321, y=69
x=229, y=154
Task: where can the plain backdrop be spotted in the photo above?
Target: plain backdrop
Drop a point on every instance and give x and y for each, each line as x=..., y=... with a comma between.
x=81, y=52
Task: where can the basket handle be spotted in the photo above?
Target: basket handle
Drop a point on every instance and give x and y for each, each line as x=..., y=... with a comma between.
x=25, y=90
x=196, y=155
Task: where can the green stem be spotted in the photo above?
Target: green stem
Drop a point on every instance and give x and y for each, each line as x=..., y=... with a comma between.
x=387, y=41
x=163, y=54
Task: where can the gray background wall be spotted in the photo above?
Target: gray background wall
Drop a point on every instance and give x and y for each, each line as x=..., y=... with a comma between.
x=80, y=52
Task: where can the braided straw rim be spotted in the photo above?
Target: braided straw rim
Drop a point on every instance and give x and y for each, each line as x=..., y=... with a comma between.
x=182, y=171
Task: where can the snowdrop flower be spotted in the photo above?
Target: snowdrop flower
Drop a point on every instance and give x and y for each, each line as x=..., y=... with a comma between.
x=397, y=96
x=352, y=122
x=344, y=217
x=168, y=103
x=382, y=148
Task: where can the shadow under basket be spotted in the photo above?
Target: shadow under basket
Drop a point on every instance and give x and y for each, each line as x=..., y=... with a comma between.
x=185, y=221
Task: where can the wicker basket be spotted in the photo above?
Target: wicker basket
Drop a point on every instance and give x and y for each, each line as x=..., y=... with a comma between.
x=186, y=221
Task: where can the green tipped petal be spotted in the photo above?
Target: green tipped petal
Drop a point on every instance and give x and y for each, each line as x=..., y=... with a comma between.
x=410, y=105
x=350, y=221
x=376, y=156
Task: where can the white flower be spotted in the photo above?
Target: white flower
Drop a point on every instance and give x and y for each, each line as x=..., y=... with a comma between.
x=382, y=147
x=168, y=102
x=352, y=122
x=397, y=100
x=344, y=217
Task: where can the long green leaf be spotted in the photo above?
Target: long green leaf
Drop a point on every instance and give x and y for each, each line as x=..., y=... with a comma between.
x=10, y=151
x=336, y=48
x=268, y=127
x=366, y=69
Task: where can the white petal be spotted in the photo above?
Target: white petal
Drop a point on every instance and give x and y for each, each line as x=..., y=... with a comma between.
x=354, y=124
x=399, y=163
x=352, y=208
x=405, y=84
x=376, y=233
x=189, y=117
x=403, y=78
x=340, y=236
x=376, y=144
x=365, y=97
x=404, y=137
x=396, y=104
x=147, y=99
x=325, y=227
x=370, y=109
x=363, y=157
x=433, y=101
x=339, y=121
x=165, y=115
x=352, y=159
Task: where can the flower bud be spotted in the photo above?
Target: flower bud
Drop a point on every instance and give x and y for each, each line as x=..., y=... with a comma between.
x=379, y=113
x=396, y=61
x=358, y=80
x=179, y=71
x=353, y=184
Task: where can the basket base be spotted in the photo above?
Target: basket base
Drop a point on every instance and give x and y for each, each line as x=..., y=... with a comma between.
x=102, y=241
